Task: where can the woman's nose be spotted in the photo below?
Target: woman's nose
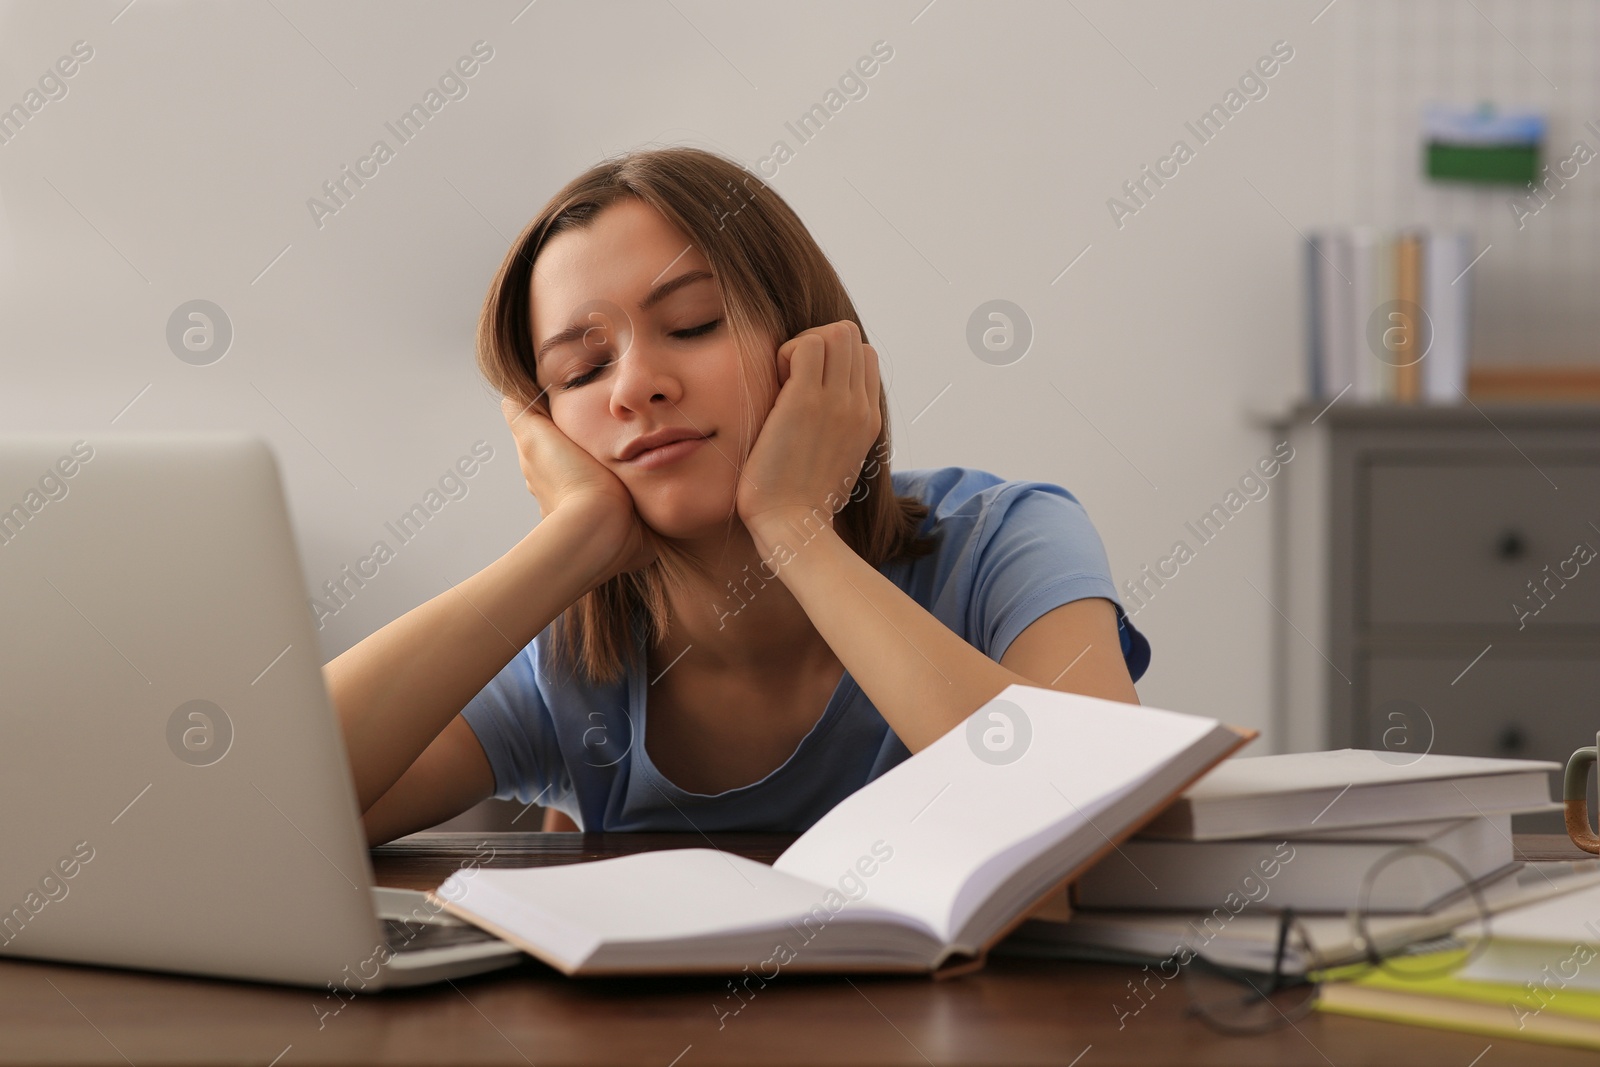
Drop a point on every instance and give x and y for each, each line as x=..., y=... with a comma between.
x=644, y=375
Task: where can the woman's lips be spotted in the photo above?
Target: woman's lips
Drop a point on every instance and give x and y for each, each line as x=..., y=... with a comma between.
x=652, y=458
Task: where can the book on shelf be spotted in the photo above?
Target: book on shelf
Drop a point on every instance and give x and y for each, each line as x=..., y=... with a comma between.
x=923, y=869
x=1377, y=299
x=1410, y=335
x=1448, y=302
x=1388, y=314
x=1367, y=245
x=1332, y=313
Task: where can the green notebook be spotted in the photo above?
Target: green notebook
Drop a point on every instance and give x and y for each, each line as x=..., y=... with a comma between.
x=1560, y=1016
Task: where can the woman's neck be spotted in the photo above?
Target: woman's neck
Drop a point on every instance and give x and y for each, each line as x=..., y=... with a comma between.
x=740, y=617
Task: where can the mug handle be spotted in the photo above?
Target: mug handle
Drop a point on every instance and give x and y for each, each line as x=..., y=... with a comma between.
x=1575, y=795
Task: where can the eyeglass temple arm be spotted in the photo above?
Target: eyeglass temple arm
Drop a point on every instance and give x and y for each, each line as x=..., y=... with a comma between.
x=1285, y=920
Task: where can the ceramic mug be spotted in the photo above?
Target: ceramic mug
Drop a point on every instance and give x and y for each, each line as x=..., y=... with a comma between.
x=1575, y=796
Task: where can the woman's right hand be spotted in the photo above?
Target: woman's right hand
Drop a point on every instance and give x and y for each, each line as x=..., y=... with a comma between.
x=562, y=476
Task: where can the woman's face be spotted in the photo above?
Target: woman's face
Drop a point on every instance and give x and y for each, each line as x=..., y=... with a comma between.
x=647, y=348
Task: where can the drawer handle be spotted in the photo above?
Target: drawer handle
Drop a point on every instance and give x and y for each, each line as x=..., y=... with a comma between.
x=1511, y=545
x=1511, y=740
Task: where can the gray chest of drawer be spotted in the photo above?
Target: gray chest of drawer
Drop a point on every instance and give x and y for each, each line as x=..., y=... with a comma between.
x=1438, y=581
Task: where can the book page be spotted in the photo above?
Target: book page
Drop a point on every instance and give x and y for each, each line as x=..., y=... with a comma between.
x=668, y=895
x=933, y=835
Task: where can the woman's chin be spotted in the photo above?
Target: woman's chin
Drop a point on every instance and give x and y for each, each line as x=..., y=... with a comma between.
x=676, y=524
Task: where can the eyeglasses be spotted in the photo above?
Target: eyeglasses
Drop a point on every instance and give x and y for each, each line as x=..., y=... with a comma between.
x=1235, y=1000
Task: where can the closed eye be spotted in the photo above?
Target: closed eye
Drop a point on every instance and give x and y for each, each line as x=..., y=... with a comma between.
x=583, y=379
x=688, y=334
x=698, y=331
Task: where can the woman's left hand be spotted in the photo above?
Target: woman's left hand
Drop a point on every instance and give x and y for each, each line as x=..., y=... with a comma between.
x=811, y=449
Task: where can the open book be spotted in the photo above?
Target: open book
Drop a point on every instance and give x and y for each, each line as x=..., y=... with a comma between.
x=923, y=868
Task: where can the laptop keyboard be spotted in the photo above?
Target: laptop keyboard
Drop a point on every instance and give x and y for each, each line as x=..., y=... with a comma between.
x=403, y=936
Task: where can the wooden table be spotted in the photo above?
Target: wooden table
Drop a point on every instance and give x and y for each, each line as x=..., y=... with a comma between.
x=1014, y=1011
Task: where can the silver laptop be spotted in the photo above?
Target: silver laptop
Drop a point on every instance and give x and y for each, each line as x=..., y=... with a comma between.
x=173, y=788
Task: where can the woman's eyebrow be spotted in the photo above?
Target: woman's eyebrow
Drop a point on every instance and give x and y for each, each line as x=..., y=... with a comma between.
x=667, y=288
x=651, y=299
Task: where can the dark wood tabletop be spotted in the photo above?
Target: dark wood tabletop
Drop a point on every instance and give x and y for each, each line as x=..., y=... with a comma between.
x=1021, y=1011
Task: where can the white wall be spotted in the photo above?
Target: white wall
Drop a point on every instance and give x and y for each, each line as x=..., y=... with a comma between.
x=978, y=166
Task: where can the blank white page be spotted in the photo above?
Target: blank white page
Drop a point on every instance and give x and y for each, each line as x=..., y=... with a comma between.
x=663, y=895
x=945, y=812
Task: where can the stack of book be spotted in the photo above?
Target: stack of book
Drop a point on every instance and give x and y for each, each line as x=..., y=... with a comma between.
x=1261, y=835
x=1388, y=314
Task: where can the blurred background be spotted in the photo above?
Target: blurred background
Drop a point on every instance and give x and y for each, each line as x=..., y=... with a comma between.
x=1056, y=291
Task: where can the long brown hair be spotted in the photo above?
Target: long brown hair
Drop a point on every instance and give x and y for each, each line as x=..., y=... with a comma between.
x=775, y=282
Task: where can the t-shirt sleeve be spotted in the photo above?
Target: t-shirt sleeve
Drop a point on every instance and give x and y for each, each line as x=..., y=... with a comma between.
x=512, y=721
x=1035, y=551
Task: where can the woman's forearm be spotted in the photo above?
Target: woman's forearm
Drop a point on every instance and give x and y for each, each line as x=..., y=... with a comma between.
x=397, y=689
x=923, y=677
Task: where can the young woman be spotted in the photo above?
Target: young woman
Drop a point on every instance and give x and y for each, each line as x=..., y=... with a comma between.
x=731, y=615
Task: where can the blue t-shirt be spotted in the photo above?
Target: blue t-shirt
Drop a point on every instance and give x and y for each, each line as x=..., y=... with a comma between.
x=1008, y=552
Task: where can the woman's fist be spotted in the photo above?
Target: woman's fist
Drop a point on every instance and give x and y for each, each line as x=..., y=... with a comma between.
x=562, y=476
x=811, y=449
